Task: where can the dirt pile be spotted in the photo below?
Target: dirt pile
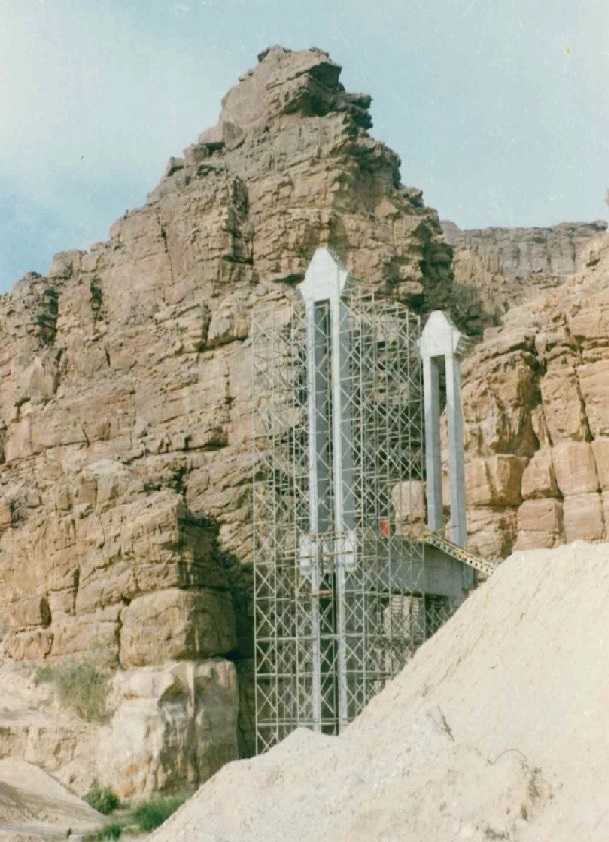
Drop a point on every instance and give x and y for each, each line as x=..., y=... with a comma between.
x=496, y=730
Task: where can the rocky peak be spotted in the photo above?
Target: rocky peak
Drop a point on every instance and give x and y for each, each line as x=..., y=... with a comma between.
x=292, y=143
x=286, y=85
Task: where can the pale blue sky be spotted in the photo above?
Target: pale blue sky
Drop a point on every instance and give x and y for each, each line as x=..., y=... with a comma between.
x=498, y=108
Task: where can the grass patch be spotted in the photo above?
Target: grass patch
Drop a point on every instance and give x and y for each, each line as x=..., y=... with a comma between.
x=102, y=798
x=151, y=814
x=81, y=685
x=141, y=818
x=110, y=831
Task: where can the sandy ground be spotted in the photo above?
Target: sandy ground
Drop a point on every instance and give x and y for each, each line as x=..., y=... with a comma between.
x=497, y=730
x=33, y=805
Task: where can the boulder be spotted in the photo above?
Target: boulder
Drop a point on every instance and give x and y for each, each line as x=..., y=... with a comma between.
x=175, y=624
x=494, y=480
x=540, y=523
x=575, y=467
x=29, y=612
x=172, y=727
x=583, y=515
x=491, y=531
x=538, y=478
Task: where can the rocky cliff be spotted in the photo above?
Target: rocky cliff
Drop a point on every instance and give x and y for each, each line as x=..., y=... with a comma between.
x=125, y=461
x=537, y=417
x=125, y=404
x=495, y=268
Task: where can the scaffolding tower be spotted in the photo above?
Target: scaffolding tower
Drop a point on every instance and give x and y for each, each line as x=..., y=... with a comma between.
x=343, y=593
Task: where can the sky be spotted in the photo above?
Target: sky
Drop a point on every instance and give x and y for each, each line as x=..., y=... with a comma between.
x=499, y=109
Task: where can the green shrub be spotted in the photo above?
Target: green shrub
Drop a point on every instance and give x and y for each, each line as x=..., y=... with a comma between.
x=102, y=799
x=110, y=831
x=150, y=814
x=81, y=685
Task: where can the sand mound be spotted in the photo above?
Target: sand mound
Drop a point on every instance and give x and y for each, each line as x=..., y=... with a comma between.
x=31, y=801
x=497, y=730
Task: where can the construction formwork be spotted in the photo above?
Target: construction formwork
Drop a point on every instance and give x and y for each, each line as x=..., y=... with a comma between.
x=342, y=592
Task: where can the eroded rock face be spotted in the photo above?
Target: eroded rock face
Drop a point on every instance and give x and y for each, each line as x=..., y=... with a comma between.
x=125, y=375
x=535, y=398
x=167, y=728
x=519, y=253
x=173, y=726
x=495, y=268
x=125, y=460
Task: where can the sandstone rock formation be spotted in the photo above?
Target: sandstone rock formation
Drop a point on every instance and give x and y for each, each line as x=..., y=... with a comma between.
x=167, y=727
x=495, y=268
x=125, y=404
x=537, y=418
x=125, y=460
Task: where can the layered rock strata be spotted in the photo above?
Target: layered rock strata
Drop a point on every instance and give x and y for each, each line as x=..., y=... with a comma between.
x=495, y=268
x=125, y=401
x=537, y=418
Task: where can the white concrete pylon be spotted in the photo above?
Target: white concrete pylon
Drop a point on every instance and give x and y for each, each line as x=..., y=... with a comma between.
x=324, y=284
x=325, y=278
x=440, y=339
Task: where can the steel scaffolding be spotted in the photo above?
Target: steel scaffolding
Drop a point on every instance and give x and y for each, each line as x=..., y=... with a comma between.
x=341, y=600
